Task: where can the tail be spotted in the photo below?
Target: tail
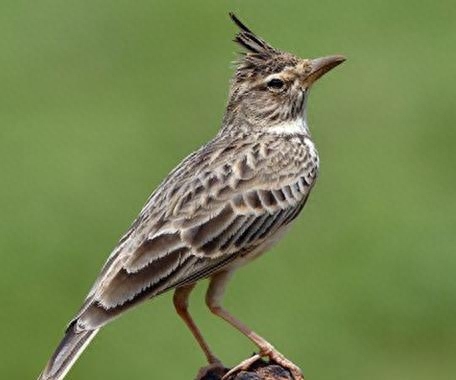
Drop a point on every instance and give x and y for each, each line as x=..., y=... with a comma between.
x=68, y=351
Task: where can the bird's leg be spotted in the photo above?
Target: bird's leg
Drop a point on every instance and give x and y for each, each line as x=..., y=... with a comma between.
x=180, y=300
x=213, y=300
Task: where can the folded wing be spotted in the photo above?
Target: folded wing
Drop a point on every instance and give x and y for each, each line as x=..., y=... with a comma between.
x=196, y=225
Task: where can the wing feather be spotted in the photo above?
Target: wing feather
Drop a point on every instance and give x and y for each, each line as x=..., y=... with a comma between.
x=219, y=204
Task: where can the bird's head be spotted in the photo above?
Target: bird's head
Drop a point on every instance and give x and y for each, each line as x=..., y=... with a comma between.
x=270, y=87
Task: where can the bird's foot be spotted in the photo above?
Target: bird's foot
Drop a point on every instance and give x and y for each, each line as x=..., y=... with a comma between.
x=274, y=356
x=281, y=360
x=213, y=371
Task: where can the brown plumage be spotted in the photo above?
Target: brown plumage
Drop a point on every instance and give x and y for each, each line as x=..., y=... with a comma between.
x=224, y=205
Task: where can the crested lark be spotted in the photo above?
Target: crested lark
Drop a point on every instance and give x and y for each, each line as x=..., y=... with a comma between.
x=223, y=206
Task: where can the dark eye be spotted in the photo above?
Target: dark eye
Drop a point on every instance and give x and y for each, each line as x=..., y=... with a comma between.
x=276, y=84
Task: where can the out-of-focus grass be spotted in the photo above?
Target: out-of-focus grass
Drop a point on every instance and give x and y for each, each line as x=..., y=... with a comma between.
x=101, y=99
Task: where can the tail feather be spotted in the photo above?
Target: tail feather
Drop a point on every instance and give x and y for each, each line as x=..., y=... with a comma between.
x=68, y=351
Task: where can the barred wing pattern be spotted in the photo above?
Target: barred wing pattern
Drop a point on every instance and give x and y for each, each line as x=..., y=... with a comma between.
x=198, y=222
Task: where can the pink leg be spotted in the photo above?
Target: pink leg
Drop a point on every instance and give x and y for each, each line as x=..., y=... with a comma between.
x=213, y=300
x=180, y=300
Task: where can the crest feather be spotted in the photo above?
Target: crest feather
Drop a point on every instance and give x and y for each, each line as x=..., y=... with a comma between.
x=251, y=42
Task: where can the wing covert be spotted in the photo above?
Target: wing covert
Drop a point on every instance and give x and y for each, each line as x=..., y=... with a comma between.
x=197, y=222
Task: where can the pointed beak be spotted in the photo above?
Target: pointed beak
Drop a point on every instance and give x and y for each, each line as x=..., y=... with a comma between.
x=320, y=66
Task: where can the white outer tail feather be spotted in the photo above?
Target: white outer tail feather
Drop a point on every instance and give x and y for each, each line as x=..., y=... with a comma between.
x=66, y=354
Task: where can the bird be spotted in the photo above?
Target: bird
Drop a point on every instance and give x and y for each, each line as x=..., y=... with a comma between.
x=223, y=206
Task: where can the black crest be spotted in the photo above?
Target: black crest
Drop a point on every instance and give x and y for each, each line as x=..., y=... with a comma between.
x=254, y=44
x=260, y=56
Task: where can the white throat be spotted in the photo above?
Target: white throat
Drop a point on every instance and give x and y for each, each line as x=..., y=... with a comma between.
x=292, y=127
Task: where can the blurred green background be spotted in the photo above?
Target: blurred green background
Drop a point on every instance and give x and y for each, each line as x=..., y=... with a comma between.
x=100, y=99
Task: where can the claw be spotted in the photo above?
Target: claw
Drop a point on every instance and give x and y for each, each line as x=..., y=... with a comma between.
x=274, y=356
x=277, y=357
x=242, y=366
